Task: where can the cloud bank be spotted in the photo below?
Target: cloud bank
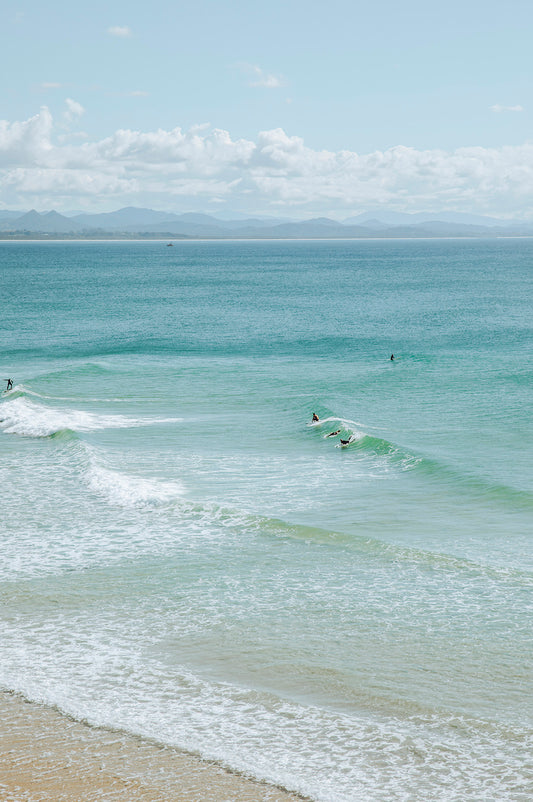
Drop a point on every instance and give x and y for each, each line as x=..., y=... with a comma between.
x=273, y=173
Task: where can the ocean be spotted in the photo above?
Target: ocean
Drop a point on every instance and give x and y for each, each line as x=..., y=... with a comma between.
x=186, y=556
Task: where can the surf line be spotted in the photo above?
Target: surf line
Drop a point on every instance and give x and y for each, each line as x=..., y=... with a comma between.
x=342, y=443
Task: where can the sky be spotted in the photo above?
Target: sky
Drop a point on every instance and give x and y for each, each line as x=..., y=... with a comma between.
x=290, y=109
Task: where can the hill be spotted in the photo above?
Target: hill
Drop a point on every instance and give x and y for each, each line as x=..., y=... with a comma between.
x=132, y=222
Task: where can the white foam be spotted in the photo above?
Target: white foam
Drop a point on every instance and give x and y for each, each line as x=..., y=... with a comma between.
x=33, y=393
x=349, y=425
x=327, y=755
x=128, y=490
x=25, y=417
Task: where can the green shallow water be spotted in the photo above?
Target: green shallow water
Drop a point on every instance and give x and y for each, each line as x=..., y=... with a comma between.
x=186, y=557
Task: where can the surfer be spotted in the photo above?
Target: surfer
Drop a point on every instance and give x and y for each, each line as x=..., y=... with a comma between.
x=333, y=434
x=9, y=384
x=344, y=442
x=315, y=417
x=392, y=357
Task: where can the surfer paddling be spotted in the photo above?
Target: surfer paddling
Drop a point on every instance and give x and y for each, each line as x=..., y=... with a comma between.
x=333, y=434
x=349, y=441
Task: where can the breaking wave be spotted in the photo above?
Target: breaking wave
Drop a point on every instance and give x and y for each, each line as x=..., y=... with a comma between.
x=30, y=419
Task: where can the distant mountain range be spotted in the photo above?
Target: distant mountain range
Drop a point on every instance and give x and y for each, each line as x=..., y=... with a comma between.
x=132, y=222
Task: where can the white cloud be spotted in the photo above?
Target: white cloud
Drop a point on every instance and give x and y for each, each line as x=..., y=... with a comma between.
x=74, y=108
x=499, y=109
x=26, y=143
x=72, y=135
x=260, y=78
x=38, y=168
x=122, y=31
x=73, y=111
x=50, y=85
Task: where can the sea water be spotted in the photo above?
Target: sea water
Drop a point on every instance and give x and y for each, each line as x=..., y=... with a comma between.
x=186, y=556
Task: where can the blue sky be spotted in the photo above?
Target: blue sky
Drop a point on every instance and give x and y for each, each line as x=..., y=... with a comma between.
x=293, y=108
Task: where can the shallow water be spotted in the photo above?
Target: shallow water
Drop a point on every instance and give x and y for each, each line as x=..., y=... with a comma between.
x=187, y=557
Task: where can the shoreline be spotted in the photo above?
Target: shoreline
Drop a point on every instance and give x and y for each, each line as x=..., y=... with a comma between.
x=48, y=756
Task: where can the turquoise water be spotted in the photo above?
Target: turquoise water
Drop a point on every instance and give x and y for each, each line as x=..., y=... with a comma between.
x=187, y=557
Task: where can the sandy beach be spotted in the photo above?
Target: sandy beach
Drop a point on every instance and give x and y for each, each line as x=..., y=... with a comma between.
x=46, y=756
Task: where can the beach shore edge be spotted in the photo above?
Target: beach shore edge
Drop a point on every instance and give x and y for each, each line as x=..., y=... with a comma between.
x=46, y=755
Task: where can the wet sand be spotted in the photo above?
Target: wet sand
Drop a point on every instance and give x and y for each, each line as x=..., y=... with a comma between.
x=48, y=757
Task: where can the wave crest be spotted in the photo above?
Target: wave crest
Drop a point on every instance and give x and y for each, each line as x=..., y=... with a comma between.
x=128, y=490
x=24, y=417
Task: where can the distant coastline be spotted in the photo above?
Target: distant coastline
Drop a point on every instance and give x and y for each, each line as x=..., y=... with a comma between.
x=139, y=237
x=132, y=223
